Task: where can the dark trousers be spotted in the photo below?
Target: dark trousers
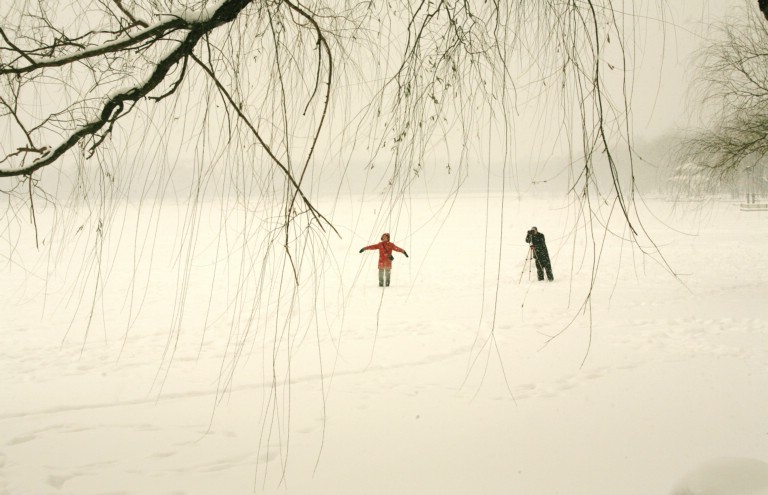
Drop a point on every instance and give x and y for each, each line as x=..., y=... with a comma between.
x=541, y=267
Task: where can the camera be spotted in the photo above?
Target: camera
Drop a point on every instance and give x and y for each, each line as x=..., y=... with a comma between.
x=531, y=232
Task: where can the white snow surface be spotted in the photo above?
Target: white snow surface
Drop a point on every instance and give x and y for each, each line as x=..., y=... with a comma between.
x=726, y=476
x=400, y=391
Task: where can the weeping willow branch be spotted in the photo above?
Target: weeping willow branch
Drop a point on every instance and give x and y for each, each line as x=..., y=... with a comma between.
x=114, y=106
x=731, y=89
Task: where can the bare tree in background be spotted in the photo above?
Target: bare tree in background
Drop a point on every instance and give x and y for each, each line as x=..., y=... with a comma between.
x=110, y=99
x=731, y=87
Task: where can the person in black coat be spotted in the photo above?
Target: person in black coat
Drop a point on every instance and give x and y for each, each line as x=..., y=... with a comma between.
x=540, y=253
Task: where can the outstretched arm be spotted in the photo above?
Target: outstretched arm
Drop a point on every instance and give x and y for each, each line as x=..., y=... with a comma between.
x=399, y=250
x=368, y=248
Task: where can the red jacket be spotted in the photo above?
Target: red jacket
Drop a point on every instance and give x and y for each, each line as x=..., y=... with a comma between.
x=385, y=250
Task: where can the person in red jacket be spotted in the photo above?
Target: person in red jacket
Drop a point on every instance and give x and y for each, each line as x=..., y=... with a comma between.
x=385, y=257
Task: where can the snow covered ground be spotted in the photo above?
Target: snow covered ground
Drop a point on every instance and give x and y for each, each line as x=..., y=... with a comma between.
x=448, y=382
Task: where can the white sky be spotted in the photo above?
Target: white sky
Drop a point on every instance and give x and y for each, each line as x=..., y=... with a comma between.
x=661, y=102
x=664, y=67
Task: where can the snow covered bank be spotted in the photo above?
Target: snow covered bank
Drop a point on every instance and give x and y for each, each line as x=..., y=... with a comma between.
x=446, y=382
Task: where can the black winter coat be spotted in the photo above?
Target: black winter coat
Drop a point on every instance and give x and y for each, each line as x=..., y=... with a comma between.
x=539, y=247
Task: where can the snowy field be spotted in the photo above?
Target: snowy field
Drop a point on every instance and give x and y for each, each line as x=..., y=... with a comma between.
x=447, y=382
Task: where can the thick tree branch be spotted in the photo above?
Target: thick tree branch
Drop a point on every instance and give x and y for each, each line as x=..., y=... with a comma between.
x=199, y=25
x=154, y=32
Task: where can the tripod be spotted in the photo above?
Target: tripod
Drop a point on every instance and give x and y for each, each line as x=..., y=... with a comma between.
x=528, y=261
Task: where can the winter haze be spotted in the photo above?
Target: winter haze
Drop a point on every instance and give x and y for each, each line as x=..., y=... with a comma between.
x=159, y=364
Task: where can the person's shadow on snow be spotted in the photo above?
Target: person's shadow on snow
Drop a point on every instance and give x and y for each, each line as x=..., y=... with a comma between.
x=726, y=476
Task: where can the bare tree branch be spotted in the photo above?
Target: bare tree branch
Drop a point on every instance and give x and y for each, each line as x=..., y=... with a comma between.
x=115, y=104
x=731, y=87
